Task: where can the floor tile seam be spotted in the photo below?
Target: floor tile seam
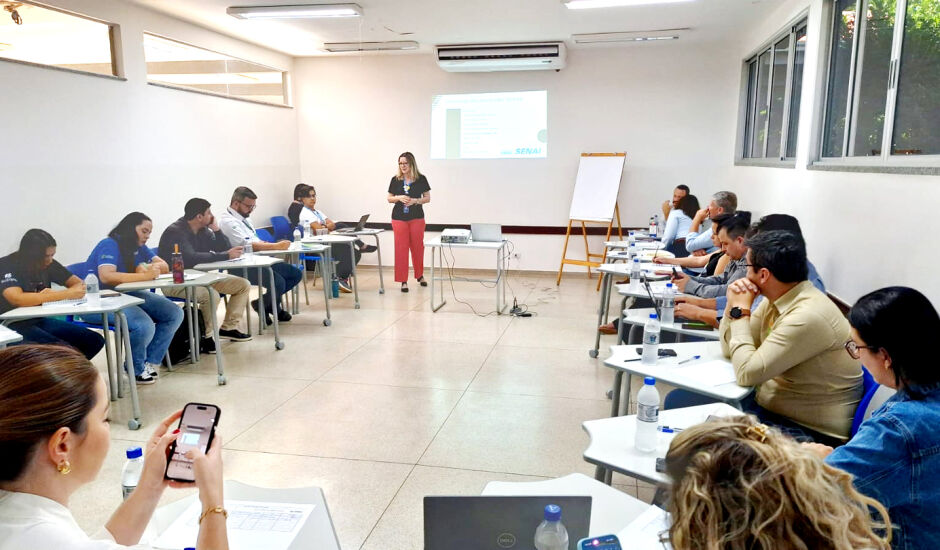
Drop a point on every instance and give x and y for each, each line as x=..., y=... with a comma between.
x=324, y=457
x=386, y=385
x=385, y=510
x=338, y=362
x=480, y=470
x=569, y=398
x=269, y=413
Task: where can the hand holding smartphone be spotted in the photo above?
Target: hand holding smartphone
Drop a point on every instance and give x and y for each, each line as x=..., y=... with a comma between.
x=197, y=429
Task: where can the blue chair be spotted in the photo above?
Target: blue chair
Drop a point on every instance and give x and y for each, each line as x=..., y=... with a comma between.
x=873, y=397
x=265, y=235
x=282, y=228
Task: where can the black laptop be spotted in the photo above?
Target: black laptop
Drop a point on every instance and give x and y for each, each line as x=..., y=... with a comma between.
x=359, y=226
x=498, y=522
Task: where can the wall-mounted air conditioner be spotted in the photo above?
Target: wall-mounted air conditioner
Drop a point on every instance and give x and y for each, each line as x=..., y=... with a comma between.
x=467, y=58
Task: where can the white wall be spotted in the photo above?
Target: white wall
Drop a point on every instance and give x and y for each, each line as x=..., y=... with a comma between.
x=669, y=106
x=79, y=152
x=864, y=231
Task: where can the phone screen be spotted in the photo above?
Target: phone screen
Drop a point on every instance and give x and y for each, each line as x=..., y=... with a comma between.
x=197, y=426
x=606, y=542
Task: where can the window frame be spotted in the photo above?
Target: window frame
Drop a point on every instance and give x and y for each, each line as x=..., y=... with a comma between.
x=747, y=116
x=886, y=162
x=285, y=80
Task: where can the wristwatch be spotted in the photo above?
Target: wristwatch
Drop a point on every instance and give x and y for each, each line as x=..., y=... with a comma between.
x=737, y=313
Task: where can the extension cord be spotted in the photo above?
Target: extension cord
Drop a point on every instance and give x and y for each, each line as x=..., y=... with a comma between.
x=516, y=311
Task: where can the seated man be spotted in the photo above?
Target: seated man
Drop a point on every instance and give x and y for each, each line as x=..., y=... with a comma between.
x=698, y=241
x=677, y=194
x=731, y=230
x=315, y=220
x=237, y=226
x=791, y=345
x=200, y=241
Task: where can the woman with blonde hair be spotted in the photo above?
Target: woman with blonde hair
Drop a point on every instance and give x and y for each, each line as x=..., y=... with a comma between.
x=408, y=190
x=740, y=485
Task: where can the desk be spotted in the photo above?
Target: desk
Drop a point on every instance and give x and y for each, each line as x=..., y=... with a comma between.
x=248, y=262
x=8, y=336
x=608, y=271
x=115, y=305
x=374, y=233
x=639, y=318
x=339, y=239
x=437, y=251
x=665, y=370
x=317, y=533
x=611, y=510
x=198, y=279
x=612, y=442
x=293, y=253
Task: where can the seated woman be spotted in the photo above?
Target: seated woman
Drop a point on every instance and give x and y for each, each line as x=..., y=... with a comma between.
x=737, y=484
x=678, y=223
x=123, y=257
x=895, y=455
x=26, y=277
x=54, y=437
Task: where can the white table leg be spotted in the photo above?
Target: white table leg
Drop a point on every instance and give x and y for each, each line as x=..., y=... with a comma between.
x=278, y=345
x=215, y=337
x=352, y=257
x=133, y=423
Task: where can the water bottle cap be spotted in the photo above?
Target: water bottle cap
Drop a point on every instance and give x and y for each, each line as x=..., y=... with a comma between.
x=134, y=452
x=649, y=381
x=652, y=315
x=668, y=285
x=636, y=260
x=552, y=512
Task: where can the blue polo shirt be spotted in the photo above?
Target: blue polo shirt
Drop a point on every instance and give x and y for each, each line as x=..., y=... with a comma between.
x=107, y=252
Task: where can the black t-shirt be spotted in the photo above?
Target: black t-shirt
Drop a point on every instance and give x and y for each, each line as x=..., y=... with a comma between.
x=418, y=188
x=712, y=263
x=293, y=212
x=14, y=274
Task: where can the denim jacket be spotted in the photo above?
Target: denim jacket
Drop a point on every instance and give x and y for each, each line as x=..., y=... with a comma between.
x=895, y=458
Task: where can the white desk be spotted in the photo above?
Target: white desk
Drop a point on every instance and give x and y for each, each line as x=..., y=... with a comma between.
x=193, y=279
x=437, y=253
x=374, y=233
x=261, y=263
x=612, y=441
x=608, y=271
x=8, y=336
x=316, y=534
x=293, y=254
x=668, y=370
x=334, y=238
x=611, y=510
x=111, y=305
x=639, y=317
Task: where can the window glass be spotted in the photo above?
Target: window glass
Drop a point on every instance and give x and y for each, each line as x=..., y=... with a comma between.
x=917, y=115
x=796, y=90
x=840, y=66
x=872, y=76
x=750, y=123
x=760, y=119
x=778, y=95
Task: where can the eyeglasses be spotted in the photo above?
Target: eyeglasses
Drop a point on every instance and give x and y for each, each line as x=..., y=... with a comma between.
x=852, y=348
x=250, y=207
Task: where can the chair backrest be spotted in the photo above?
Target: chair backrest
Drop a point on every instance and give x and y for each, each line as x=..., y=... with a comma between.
x=264, y=235
x=79, y=269
x=873, y=396
x=282, y=227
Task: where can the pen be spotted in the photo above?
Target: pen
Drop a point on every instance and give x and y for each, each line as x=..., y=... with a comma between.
x=668, y=430
x=630, y=360
x=693, y=358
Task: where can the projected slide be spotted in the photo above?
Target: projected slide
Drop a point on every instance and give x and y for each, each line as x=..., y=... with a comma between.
x=503, y=125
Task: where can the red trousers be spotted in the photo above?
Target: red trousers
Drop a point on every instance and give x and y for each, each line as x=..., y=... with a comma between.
x=409, y=236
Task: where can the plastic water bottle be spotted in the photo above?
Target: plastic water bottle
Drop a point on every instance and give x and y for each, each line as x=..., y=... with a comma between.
x=298, y=234
x=631, y=251
x=551, y=533
x=653, y=227
x=632, y=237
x=92, y=292
x=132, y=469
x=651, y=341
x=647, y=416
x=635, y=274
x=246, y=247
x=669, y=304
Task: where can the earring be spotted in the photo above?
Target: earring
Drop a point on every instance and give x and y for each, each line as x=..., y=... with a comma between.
x=65, y=468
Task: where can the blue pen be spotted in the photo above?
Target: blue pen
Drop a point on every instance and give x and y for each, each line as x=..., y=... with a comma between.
x=693, y=358
x=668, y=430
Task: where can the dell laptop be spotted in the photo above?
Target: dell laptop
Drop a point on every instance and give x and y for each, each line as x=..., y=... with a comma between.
x=498, y=522
x=359, y=226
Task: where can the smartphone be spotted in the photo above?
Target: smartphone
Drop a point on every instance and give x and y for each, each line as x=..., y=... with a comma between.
x=662, y=352
x=197, y=428
x=675, y=274
x=603, y=542
x=661, y=465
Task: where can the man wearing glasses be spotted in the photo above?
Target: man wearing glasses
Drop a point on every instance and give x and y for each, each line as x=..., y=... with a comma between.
x=791, y=346
x=237, y=226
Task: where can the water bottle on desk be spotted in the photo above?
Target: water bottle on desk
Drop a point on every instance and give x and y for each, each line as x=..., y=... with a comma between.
x=669, y=304
x=246, y=247
x=92, y=292
x=651, y=341
x=298, y=234
x=635, y=274
x=631, y=252
x=653, y=227
x=551, y=533
x=632, y=237
x=647, y=416
x=132, y=469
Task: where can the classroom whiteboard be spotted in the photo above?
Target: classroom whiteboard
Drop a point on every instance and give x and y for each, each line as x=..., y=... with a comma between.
x=597, y=187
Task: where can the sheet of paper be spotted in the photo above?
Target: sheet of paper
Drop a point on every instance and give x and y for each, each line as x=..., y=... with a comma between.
x=643, y=533
x=708, y=373
x=251, y=525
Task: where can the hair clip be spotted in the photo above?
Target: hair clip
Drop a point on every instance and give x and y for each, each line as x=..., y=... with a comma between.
x=758, y=432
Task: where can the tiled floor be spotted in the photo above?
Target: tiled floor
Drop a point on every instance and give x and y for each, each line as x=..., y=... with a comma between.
x=392, y=403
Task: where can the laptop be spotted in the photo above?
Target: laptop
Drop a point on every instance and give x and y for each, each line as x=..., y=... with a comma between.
x=498, y=522
x=359, y=226
x=486, y=232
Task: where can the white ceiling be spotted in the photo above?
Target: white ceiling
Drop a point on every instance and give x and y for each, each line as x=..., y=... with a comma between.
x=432, y=22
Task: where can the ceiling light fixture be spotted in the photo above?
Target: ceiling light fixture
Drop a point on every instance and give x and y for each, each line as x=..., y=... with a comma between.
x=634, y=36
x=589, y=4
x=339, y=47
x=298, y=11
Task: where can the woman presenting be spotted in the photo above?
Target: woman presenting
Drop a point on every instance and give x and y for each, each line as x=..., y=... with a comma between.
x=408, y=190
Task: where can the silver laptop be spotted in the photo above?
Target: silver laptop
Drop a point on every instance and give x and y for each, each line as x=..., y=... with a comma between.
x=486, y=232
x=498, y=522
x=359, y=226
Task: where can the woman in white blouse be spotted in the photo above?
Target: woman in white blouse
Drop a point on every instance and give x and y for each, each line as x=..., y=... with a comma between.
x=54, y=436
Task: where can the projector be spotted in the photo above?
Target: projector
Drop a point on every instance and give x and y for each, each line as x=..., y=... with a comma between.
x=455, y=236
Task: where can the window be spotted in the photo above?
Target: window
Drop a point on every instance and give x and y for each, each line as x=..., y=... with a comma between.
x=47, y=36
x=883, y=87
x=774, y=82
x=178, y=65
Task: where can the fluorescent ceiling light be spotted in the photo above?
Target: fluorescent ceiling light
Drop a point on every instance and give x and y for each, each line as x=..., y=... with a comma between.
x=370, y=46
x=589, y=4
x=299, y=11
x=634, y=36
